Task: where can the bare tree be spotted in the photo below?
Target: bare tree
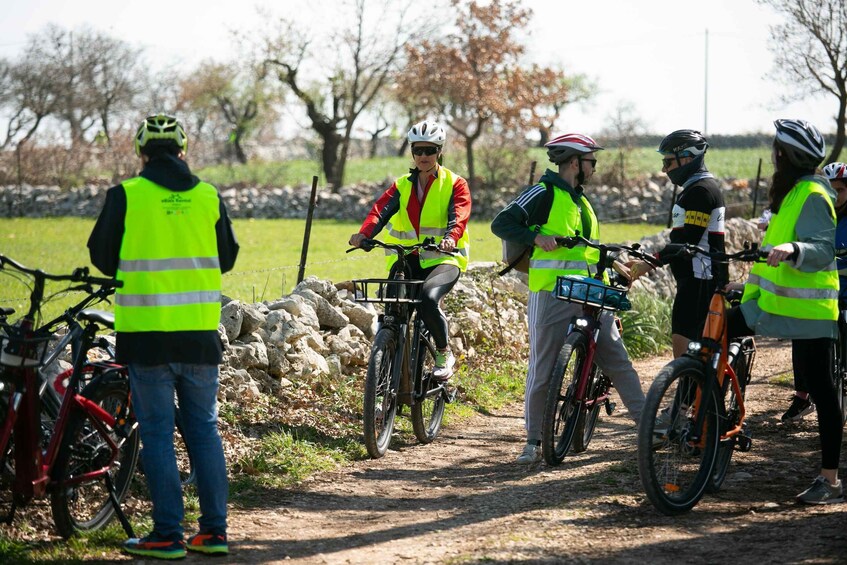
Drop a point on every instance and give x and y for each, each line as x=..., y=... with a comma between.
x=29, y=97
x=238, y=93
x=360, y=65
x=810, y=50
x=623, y=129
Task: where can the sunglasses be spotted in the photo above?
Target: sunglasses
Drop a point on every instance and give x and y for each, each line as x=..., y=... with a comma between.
x=425, y=150
x=593, y=162
x=666, y=163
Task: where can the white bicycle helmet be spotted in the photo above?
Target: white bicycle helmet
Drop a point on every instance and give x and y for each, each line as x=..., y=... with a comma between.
x=160, y=130
x=836, y=171
x=427, y=131
x=561, y=148
x=802, y=143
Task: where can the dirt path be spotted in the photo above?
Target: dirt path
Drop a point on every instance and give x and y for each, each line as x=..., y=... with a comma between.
x=461, y=499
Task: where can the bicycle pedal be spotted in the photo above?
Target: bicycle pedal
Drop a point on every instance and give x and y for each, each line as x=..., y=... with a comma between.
x=745, y=442
x=449, y=394
x=610, y=407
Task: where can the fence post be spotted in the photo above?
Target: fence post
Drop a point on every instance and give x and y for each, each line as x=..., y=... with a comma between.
x=305, y=251
x=756, y=187
x=673, y=202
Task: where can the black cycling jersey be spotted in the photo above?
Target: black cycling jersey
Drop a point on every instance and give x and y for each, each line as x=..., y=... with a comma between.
x=699, y=219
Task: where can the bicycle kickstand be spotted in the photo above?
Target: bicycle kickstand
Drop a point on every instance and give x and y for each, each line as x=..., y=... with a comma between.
x=110, y=486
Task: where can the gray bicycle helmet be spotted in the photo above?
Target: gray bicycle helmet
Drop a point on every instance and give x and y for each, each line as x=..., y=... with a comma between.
x=801, y=142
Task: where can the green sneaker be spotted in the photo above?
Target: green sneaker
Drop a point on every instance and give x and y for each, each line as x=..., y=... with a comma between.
x=821, y=492
x=208, y=543
x=153, y=545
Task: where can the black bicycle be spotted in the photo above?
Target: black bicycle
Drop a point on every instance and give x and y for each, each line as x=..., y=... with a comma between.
x=402, y=355
x=578, y=388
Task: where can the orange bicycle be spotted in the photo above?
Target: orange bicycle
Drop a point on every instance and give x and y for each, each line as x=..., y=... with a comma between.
x=694, y=414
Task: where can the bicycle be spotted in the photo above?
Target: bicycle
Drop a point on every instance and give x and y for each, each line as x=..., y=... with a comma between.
x=402, y=355
x=694, y=413
x=839, y=353
x=578, y=388
x=83, y=453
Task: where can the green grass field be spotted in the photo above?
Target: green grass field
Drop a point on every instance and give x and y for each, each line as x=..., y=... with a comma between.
x=737, y=163
x=267, y=265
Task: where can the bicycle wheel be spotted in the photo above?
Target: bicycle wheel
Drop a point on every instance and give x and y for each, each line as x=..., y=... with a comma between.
x=380, y=405
x=674, y=471
x=730, y=419
x=428, y=408
x=563, y=411
x=589, y=416
x=86, y=506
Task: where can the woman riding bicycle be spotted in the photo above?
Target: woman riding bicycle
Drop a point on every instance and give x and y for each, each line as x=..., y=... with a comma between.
x=429, y=201
x=795, y=294
x=522, y=222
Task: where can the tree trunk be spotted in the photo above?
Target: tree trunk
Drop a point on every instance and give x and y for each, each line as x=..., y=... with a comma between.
x=840, y=123
x=329, y=161
x=469, y=141
x=402, y=150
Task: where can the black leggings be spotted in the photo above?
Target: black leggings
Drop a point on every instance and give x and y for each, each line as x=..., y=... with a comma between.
x=438, y=281
x=810, y=360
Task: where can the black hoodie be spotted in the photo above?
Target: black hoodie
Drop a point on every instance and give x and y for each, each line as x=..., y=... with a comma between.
x=104, y=245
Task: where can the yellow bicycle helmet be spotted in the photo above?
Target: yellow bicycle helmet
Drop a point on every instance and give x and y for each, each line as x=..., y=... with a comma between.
x=159, y=130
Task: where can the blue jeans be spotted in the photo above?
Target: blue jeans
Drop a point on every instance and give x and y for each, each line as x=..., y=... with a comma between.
x=196, y=387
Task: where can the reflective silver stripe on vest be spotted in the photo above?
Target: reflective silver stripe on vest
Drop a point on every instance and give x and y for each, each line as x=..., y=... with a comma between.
x=403, y=234
x=787, y=292
x=437, y=255
x=555, y=264
x=172, y=299
x=436, y=232
x=182, y=263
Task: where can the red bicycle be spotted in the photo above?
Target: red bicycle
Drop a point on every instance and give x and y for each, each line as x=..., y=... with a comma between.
x=81, y=448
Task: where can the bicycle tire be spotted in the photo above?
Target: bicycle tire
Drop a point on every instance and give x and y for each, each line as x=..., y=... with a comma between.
x=428, y=409
x=729, y=417
x=562, y=411
x=380, y=398
x=86, y=507
x=587, y=422
x=674, y=473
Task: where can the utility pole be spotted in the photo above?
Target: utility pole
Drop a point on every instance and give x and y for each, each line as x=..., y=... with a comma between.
x=706, y=88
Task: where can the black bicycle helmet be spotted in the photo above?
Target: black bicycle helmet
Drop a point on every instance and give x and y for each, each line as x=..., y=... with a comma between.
x=801, y=142
x=683, y=143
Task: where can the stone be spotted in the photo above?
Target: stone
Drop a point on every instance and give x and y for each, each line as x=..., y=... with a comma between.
x=231, y=319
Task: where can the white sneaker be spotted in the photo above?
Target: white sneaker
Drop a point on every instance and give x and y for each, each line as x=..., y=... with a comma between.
x=531, y=454
x=444, y=362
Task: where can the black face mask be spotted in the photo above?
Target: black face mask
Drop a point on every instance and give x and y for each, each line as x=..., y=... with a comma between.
x=681, y=174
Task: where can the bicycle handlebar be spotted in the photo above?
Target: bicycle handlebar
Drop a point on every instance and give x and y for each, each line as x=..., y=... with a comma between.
x=428, y=244
x=750, y=252
x=634, y=249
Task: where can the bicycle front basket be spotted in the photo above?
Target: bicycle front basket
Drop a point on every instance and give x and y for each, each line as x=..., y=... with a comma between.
x=591, y=292
x=17, y=352
x=388, y=291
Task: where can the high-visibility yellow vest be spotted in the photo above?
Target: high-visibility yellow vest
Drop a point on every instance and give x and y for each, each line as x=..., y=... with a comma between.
x=433, y=222
x=787, y=292
x=169, y=260
x=565, y=219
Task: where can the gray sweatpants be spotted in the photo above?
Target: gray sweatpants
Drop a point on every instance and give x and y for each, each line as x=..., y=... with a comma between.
x=548, y=319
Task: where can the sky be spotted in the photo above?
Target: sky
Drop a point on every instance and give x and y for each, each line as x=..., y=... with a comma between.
x=647, y=54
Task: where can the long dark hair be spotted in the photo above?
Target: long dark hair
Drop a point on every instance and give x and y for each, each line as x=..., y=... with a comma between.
x=785, y=176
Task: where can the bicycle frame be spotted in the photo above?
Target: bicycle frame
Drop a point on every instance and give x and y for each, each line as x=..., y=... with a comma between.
x=713, y=352
x=34, y=466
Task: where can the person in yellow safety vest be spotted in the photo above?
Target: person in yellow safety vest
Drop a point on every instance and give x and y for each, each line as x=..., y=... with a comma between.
x=531, y=220
x=167, y=236
x=794, y=295
x=429, y=201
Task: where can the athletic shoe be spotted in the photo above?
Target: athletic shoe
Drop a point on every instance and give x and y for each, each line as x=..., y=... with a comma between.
x=208, y=543
x=531, y=454
x=821, y=492
x=154, y=545
x=799, y=408
x=444, y=361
